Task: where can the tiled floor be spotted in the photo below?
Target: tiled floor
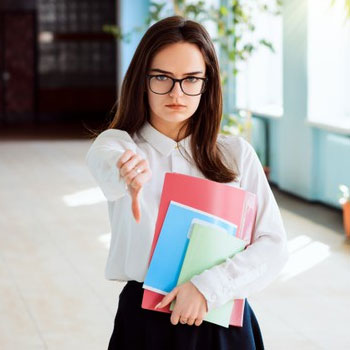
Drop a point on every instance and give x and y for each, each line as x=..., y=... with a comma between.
x=54, y=232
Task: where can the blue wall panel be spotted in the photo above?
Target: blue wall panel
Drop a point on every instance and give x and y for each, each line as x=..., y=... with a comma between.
x=259, y=141
x=132, y=14
x=334, y=166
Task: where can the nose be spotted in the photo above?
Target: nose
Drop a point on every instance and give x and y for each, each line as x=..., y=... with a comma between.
x=176, y=90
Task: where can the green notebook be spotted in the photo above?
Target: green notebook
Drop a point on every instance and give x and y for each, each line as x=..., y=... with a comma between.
x=209, y=245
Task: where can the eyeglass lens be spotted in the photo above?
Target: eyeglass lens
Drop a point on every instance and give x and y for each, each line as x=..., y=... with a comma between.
x=162, y=85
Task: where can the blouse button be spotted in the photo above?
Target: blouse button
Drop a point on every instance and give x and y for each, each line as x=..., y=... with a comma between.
x=213, y=297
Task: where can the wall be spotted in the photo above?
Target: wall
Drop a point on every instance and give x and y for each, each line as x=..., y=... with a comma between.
x=131, y=14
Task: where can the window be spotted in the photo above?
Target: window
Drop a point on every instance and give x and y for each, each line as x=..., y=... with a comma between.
x=259, y=80
x=328, y=64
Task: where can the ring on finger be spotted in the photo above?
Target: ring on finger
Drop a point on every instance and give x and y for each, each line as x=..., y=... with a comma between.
x=138, y=170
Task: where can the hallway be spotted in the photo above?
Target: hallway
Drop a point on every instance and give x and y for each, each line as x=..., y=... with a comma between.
x=54, y=233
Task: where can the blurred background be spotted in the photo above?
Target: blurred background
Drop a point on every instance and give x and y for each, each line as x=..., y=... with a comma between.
x=286, y=82
x=57, y=63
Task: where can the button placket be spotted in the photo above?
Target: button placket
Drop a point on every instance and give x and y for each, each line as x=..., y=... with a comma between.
x=176, y=162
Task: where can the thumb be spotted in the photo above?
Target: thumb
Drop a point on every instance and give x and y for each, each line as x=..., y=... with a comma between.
x=135, y=206
x=167, y=299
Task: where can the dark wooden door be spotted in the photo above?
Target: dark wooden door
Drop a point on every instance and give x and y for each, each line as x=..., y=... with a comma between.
x=77, y=59
x=17, y=65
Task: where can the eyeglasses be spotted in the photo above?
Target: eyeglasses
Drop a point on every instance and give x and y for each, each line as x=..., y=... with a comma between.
x=162, y=84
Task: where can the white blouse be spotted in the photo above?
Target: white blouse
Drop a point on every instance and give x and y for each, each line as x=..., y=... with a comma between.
x=244, y=274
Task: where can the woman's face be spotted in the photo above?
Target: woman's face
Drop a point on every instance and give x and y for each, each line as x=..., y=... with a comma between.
x=175, y=61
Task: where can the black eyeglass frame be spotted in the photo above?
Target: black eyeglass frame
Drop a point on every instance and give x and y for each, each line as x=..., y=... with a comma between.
x=149, y=76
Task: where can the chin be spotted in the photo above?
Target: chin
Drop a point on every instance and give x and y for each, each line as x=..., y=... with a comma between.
x=178, y=120
x=175, y=117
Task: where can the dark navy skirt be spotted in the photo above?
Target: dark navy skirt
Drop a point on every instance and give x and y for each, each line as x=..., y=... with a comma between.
x=137, y=328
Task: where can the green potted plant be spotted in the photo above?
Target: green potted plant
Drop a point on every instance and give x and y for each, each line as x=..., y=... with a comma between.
x=239, y=123
x=345, y=203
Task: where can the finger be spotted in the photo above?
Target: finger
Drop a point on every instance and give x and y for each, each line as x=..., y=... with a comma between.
x=135, y=192
x=174, y=319
x=125, y=157
x=200, y=318
x=191, y=321
x=135, y=206
x=132, y=174
x=130, y=177
x=168, y=298
x=130, y=164
x=198, y=321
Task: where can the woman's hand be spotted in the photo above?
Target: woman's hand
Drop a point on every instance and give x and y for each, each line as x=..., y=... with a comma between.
x=190, y=306
x=136, y=172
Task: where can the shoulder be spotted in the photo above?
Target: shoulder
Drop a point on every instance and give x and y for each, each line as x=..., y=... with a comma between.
x=236, y=146
x=112, y=138
x=114, y=134
x=240, y=154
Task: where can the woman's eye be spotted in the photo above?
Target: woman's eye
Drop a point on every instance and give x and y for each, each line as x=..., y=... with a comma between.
x=192, y=79
x=161, y=77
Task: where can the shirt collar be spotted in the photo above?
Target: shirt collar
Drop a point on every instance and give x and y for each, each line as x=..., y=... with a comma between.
x=161, y=142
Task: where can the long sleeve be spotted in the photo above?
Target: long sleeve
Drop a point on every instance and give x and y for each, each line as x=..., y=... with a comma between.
x=102, y=158
x=259, y=264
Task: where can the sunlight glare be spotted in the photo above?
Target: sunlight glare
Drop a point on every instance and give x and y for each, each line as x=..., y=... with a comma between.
x=304, y=254
x=105, y=239
x=86, y=197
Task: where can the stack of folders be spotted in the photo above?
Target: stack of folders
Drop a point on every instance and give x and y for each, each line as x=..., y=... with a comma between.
x=209, y=245
x=200, y=224
x=190, y=242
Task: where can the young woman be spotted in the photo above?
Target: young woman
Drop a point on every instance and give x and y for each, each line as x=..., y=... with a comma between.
x=168, y=120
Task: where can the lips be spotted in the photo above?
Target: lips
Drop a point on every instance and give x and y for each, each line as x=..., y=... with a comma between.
x=175, y=106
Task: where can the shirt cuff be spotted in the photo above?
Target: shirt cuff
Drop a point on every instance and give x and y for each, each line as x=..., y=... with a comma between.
x=211, y=287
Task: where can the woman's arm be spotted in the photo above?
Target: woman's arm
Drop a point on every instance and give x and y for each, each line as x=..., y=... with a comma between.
x=102, y=159
x=257, y=266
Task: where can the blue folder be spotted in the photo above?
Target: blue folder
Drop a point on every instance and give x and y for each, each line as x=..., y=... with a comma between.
x=168, y=256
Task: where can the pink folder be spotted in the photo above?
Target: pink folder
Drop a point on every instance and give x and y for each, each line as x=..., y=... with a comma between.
x=230, y=203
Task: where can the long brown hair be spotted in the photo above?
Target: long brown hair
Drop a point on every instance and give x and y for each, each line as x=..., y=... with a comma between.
x=204, y=125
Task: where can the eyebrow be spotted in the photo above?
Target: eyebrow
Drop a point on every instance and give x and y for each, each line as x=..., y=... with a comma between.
x=165, y=72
